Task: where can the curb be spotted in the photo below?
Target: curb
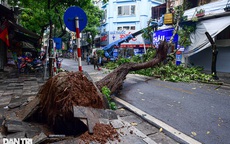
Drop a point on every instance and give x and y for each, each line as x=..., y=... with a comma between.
x=182, y=138
x=225, y=87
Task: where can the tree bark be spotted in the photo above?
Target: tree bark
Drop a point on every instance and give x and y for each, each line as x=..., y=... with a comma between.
x=115, y=79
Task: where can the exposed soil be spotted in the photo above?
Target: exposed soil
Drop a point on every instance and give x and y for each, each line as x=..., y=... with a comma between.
x=102, y=133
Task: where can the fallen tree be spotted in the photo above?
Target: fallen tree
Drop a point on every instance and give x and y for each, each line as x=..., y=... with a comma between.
x=115, y=79
x=67, y=89
x=58, y=96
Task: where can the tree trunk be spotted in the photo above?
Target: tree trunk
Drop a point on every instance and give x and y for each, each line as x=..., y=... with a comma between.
x=115, y=79
x=214, y=55
x=50, y=44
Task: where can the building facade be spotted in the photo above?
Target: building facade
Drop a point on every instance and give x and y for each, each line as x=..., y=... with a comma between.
x=215, y=20
x=212, y=16
x=123, y=17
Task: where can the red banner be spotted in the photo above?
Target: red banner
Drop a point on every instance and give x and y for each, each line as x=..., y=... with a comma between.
x=4, y=36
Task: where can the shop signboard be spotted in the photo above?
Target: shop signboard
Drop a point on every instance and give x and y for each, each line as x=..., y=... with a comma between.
x=164, y=34
x=116, y=35
x=58, y=42
x=139, y=51
x=104, y=39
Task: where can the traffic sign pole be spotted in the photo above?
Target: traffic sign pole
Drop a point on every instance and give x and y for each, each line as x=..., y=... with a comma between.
x=55, y=63
x=78, y=43
x=71, y=19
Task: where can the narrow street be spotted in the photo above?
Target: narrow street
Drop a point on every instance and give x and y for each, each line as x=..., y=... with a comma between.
x=197, y=110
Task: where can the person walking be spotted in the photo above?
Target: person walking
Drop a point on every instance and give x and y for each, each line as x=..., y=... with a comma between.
x=87, y=59
x=95, y=60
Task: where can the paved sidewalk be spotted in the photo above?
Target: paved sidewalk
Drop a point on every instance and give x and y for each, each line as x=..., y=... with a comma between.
x=17, y=90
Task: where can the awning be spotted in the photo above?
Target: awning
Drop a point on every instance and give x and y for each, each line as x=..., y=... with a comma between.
x=27, y=47
x=199, y=40
x=134, y=45
x=211, y=9
x=23, y=30
x=19, y=36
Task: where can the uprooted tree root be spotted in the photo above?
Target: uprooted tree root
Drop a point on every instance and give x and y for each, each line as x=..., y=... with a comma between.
x=63, y=91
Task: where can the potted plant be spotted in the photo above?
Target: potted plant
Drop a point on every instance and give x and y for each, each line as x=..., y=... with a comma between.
x=200, y=13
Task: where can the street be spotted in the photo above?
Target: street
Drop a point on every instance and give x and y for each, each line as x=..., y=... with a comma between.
x=198, y=110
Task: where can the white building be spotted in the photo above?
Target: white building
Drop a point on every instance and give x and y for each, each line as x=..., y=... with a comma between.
x=122, y=17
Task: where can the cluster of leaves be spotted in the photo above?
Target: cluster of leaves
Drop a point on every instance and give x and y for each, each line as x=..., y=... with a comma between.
x=150, y=54
x=135, y=59
x=200, y=11
x=167, y=72
x=111, y=65
x=100, y=53
x=106, y=91
x=122, y=61
x=171, y=72
x=36, y=16
x=186, y=28
x=146, y=72
x=184, y=34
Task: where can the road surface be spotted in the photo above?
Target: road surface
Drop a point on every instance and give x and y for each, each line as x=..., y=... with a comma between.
x=197, y=110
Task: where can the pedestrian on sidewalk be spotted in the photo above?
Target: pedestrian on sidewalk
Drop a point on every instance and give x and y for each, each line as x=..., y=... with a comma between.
x=87, y=58
x=95, y=60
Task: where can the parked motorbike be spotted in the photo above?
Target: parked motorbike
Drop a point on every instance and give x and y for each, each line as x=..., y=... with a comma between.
x=34, y=66
x=29, y=65
x=59, y=63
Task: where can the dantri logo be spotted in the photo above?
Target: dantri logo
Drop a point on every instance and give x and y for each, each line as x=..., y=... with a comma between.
x=17, y=141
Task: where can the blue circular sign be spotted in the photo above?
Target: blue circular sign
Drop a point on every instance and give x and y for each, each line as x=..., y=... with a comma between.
x=69, y=18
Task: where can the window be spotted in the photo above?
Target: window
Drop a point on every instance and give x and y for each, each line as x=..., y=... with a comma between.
x=119, y=28
x=132, y=10
x=126, y=10
x=126, y=28
x=105, y=14
x=119, y=11
x=158, y=11
x=132, y=27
